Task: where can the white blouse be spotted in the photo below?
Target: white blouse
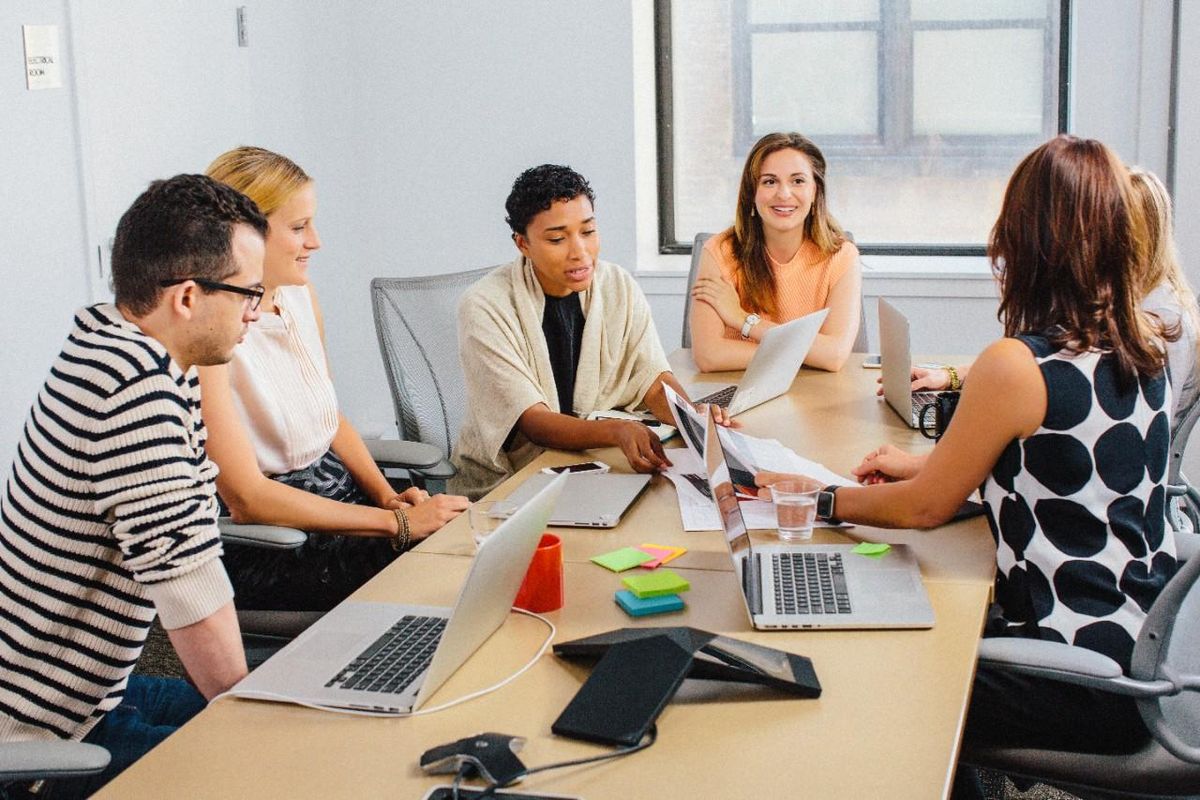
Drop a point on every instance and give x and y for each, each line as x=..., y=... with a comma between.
x=281, y=385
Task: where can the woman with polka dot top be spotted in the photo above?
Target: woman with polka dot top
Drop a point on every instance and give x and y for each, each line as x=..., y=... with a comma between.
x=1065, y=425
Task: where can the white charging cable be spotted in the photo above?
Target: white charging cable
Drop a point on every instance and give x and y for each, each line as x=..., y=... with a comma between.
x=261, y=695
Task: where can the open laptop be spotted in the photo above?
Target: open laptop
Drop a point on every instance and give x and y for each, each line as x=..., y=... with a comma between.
x=391, y=658
x=815, y=585
x=896, y=366
x=771, y=371
x=587, y=500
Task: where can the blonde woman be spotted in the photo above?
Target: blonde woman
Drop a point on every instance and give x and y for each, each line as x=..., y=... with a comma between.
x=1169, y=295
x=287, y=454
x=785, y=256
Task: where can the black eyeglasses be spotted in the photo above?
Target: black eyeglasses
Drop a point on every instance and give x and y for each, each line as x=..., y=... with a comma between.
x=253, y=294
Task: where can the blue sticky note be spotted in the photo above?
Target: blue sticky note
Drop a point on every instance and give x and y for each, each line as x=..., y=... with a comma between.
x=636, y=606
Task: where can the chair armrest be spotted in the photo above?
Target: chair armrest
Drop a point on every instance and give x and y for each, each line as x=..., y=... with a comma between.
x=1187, y=544
x=402, y=454
x=272, y=537
x=1065, y=663
x=28, y=761
x=442, y=471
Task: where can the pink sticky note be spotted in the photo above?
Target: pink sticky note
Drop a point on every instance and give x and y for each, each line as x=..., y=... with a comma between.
x=661, y=554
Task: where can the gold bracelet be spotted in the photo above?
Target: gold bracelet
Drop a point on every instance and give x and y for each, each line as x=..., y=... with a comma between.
x=955, y=381
x=403, y=535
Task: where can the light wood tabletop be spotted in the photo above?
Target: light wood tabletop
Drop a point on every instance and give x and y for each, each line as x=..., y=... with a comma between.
x=887, y=724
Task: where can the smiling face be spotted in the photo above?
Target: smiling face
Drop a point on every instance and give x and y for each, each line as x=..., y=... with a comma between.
x=563, y=244
x=785, y=191
x=292, y=239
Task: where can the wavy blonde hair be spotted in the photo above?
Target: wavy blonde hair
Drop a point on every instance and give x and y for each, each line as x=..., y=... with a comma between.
x=1153, y=200
x=267, y=178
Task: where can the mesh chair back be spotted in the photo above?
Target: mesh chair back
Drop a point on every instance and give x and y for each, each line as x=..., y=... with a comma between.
x=1168, y=647
x=697, y=246
x=416, y=322
x=861, y=341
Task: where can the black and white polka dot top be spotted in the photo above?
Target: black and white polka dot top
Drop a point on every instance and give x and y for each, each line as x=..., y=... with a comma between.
x=1077, y=509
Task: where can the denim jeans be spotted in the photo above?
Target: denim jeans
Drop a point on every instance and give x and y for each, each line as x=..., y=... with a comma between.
x=152, y=710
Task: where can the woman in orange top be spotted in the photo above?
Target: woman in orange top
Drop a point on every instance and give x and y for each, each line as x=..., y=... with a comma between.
x=784, y=257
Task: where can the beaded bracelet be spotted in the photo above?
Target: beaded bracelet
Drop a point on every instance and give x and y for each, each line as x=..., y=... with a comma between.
x=403, y=535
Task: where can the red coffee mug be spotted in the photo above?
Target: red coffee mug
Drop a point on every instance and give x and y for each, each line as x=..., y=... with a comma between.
x=542, y=589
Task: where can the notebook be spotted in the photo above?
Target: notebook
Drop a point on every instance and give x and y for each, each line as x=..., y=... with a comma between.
x=771, y=371
x=588, y=500
x=814, y=585
x=896, y=367
x=391, y=658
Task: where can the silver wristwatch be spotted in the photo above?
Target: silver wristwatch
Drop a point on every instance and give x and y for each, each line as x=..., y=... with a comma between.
x=751, y=321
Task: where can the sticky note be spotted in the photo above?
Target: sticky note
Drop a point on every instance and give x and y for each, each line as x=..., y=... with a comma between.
x=635, y=606
x=872, y=549
x=661, y=553
x=655, y=584
x=623, y=559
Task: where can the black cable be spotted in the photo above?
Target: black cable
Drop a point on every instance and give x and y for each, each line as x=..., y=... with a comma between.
x=651, y=737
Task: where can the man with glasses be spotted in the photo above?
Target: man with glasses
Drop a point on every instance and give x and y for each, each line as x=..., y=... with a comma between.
x=109, y=516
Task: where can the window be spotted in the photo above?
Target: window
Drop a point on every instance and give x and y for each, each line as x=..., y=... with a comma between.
x=922, y=108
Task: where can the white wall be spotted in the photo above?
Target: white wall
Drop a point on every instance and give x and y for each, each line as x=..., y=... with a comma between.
x=43, y=250
x=414, y=118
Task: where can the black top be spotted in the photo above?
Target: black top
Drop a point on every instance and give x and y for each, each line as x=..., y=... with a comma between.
x=562, y=325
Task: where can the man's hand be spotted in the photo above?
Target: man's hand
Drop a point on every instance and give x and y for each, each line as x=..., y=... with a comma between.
x=888, y=463
x=640, y=445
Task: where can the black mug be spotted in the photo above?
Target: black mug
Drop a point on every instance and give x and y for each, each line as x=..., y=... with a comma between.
x=943, y=406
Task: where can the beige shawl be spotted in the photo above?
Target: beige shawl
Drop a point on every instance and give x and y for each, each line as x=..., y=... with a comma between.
x=507, y=365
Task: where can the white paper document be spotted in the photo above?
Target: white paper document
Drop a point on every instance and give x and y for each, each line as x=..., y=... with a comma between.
x=746, y=455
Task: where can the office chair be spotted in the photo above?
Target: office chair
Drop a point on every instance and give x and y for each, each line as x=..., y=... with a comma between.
x=1164, y=677
x=47, y=760
x=416, y=324
x=1183, y=504
x=861, y=341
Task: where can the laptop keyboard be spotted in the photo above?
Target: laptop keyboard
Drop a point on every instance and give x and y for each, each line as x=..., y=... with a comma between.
x=721, y=397
x=809, y=583
x=391, y=663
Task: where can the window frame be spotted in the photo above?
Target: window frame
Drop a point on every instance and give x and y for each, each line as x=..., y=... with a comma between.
x=848, y=147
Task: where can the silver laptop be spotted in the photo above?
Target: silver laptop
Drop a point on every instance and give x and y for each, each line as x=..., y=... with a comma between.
x=896, y=366
x=771, y=371
x=815, y=585
x=391, y=658
x=587, y=500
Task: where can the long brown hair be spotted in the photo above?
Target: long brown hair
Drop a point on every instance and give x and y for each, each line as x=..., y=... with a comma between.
x=1070, y=249
x=756, y=280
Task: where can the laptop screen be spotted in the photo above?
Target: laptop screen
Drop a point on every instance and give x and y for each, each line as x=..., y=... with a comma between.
x=737, y=537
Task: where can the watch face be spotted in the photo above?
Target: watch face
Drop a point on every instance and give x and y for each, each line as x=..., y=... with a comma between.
x=824, y=505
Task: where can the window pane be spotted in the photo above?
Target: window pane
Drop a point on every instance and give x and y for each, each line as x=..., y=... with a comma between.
x=823, y=83
x=921, y=128
x=923, y=10
x=768, y=11
x=978, y=82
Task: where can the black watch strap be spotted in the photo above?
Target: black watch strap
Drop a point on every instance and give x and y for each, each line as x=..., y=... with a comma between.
x=825, y=505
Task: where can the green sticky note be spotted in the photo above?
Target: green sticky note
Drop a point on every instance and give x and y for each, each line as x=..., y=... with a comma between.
x=655, y=584
x=872, y=549
x=623, y=559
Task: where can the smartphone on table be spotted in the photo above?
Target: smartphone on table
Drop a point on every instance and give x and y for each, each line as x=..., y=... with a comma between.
x=594, y=467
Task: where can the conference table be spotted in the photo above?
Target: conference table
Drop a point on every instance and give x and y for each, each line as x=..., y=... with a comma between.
x=887, y=724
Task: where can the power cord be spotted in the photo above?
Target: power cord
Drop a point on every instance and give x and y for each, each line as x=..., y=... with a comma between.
x=261, y=695
x=490, y=791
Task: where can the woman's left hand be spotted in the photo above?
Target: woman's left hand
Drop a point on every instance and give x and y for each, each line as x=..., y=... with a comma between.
x=406, y=499
x=723, y=297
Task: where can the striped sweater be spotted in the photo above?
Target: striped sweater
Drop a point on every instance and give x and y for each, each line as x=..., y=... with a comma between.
x=108, y=516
